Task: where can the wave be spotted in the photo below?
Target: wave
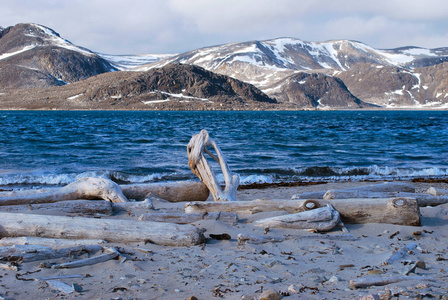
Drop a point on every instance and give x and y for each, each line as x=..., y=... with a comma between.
x=247, y=176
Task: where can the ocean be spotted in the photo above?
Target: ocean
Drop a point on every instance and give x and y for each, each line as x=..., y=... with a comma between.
x=48, y=148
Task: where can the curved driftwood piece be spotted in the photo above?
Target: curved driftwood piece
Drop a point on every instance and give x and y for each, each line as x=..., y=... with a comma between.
x=320, y=219
x=88, y=207
x=110, y=253
x=182, y=218
x=198, y=163
x=360, y=192
x=171, y=191
x=401, y=253
x=402, y=211
x=27, y=253
x=119, y=231
x=89, y=188
x=384, y=280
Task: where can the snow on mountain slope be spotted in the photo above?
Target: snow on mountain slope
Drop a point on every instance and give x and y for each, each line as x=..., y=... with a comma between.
x=128, y=62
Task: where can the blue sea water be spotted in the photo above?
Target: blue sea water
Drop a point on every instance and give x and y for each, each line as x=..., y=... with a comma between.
x=55, y=147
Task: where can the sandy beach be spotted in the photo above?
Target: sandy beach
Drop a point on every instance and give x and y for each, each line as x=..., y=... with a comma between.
x=304, y=265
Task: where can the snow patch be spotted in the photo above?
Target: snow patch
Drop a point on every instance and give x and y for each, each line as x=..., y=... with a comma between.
x=74, y=97
x=156, y=101
x=24, y=49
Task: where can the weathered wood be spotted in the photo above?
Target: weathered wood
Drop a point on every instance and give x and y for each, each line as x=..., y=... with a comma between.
x=437, y=192
x=402, y=211
x=401, y=253
x=60, y=286
x=133, y=205
x=110, y=253
x=87, y=207
x=27, y=253
x=200, y=166
x=120, y=231
x=83, y=188
x=178, y=191
x=384, y=280
x=54, y=243
x=252, y=239
x=359, y=192
x=320, y=219
x=182, y=218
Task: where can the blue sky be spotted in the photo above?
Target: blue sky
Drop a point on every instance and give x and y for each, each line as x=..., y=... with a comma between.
x=175, y=26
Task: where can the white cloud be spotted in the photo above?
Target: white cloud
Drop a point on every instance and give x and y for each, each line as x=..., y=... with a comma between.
x=173, y=26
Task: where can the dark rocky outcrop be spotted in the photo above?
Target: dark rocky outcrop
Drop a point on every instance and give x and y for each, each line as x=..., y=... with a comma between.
x=316, y=90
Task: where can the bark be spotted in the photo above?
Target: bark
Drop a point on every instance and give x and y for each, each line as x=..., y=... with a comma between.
x=182, y=218
x=87, y=207
x=401, y=211
x=84, y=188
x=196, y=149
x=360, y=192
x=171, y=191
x=319, y=219
x=119, y=231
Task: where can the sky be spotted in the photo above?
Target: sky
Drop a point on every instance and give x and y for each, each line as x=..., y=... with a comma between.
x=177, y=26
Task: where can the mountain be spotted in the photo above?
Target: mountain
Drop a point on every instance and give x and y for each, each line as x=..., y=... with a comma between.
x=172, y=87
x=283, y=73
x=382, y=77
x=33, y=55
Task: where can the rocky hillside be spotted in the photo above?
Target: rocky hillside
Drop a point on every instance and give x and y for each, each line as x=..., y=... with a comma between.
x=32, y=56
x=388, y=78
x=171, y=87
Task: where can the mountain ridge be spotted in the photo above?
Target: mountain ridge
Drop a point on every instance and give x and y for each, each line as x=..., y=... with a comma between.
x=295, y=74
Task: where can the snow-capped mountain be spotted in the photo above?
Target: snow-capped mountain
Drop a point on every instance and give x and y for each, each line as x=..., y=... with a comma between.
x=267, y=64
x=33, y=55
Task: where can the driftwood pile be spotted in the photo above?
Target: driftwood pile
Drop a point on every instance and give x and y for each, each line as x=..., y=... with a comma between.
x=80, y=216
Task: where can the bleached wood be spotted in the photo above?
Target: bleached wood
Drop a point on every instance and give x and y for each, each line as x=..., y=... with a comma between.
x=389, y=188
x=244, y=238
x=384, y=280
x=436, y=191
x=402, y=211
x=87, y=207
x=401, y=253
x=182, y=218
x=83, y=188
x=196, y=149
x=177, y=191
x=27, y=253
x=60, y=286
x=120, y=231
x=133, y=205
x=320, y=219
x=110, y=253
x=48, y=242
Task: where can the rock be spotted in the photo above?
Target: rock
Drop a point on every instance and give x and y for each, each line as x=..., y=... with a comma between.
x=334, y=279
x=270, y=295
x=294, y=289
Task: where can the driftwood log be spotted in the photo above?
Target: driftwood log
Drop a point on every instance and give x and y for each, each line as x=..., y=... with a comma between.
x=109, y=253
x=27, y=253
x=119, y=231
x=401, y=211
x=360, y=192
x=83, y=188
x=384, y=280
x=171, y=191
x=54, y=243
x=87, y=207
x=182, y=218
x=319, y=219
x=196, y=149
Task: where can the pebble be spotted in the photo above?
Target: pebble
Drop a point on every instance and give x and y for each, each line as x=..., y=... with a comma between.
x=334, y=279
x=270, y=295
